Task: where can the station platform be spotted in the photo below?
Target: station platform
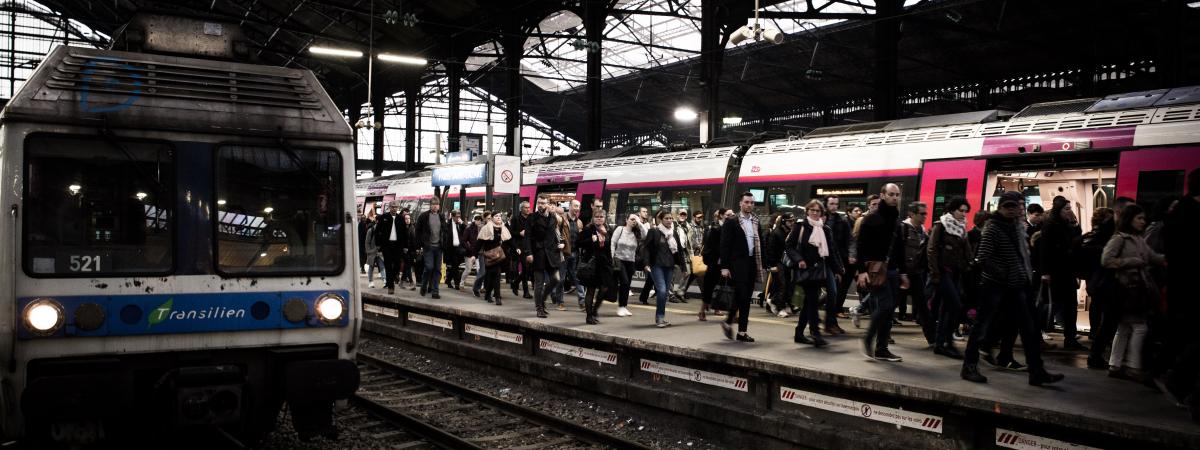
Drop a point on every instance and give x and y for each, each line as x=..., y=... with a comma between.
x=816, y=396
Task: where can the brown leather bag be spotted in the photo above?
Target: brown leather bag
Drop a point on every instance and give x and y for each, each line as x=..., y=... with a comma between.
x=494, y=256
x=874, y=277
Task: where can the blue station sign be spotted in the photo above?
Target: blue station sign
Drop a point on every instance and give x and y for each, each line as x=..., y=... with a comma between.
x=466, y=174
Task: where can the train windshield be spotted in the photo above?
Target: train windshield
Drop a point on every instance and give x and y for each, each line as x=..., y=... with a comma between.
x=279, y=211
x=97, y=206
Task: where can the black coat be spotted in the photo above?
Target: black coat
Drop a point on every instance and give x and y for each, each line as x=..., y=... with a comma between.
x=774, y=246
x=601, y=255
x=542, y=241
x=450, y=253
x=735, y=254
x=1054, y=248
x=656, y=251
x=842, y=230
x=423, y=231
x=711, y=252
x=383, y=231
x=798, y=240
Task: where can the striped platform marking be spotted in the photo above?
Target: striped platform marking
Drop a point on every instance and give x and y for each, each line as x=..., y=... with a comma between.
x=894, y=416
x=578, y=352
x=492, y=333
x=699, y=376
x=430, y=320
x=1023, y=441
x=381, y=310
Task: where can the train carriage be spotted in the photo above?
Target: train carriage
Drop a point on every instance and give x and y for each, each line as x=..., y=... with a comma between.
x=179, y=248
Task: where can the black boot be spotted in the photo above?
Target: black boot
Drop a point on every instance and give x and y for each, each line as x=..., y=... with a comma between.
x=817, y=340
x=970, y=372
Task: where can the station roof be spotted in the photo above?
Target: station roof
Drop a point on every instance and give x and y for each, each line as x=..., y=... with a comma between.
x=954, y=55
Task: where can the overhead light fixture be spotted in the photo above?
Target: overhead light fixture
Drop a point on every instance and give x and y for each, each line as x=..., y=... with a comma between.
x=731, y=120
x=403, y=59
x=221, y=202
x=268, y=210
x=685, y=114
x=140, y=196
x=756, y=31
x=74, y=189
x=347, y=53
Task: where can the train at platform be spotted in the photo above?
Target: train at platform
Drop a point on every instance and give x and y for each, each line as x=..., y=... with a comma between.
x=178, y=243
x=1138, y=145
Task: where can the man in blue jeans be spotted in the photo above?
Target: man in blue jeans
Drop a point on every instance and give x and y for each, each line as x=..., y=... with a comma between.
x=571, y=262
x=431, y=225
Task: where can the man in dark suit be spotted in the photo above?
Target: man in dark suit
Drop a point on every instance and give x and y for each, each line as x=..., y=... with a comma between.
x=519, y=226
x=543, y=252
x=741, y=262
x=392, y=236
x=454, y=249
x=431, y=226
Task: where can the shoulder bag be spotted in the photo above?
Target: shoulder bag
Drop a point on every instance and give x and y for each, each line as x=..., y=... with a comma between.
x=874, y=277
x=494, y=256
x=722, y=298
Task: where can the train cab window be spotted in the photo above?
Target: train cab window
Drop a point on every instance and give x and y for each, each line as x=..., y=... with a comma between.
x=279, y=211
x=97, y=207
x=944, y=191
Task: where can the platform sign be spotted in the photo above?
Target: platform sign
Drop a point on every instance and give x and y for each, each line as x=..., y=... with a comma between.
x=429, y=320
x=381, y=310
x=894, y=416
x=460, y=175
x=578, y=352
x=506, y=174
x=492, y=333
x=1022, y=441
x=698, y=376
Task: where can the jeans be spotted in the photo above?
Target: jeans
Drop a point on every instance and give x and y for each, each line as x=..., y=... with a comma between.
x=468, y=263
x=950, y=294
x=376, y=261
x=662, y=282
x=883, y=309
x=1127, y=344
x=432, y=274
x=1010, y=301
x=920, y=310
x=480, y=272
x=624, y=282
x=833, y=306
x=544, y=283
x=566, y=273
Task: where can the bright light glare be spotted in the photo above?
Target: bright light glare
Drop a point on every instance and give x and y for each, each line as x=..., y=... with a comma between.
x=403, y=59
x=335, y=52
x=74, y=188
x=268, y=210
x=43, y=317
x=140, y=195
x=221, y=202
x=685, y=114
x=731, y=120
x=329, y=308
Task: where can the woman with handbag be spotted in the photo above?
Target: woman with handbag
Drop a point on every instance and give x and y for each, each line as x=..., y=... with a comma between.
x=1128, y=254
x=595, y=270
x=625, y=240
x=949, y=255
x=491, y=251
x=809, y=244
x=710, y=252
x=662, y=252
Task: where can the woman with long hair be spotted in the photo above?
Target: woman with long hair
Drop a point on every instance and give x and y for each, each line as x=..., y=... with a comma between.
x=1128, y=254
x=662, y=252
x=624, y=250
x=710, y=252
x=949, y=255
x=817, y=262
x=491, y=236
x=593, y=245
x=1059, y=231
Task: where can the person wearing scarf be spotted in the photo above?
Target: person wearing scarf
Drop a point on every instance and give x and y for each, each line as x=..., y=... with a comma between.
x=949, y=254
x=660, y=255
x=492, y=235
x=810, y=240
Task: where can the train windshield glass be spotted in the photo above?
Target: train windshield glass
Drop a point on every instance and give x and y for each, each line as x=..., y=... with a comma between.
x=97, y=206
x=278, y=211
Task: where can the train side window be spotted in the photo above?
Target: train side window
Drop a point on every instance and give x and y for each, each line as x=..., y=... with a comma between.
x=279, y=211
x=943, y=191
x=97, y=207
x=1153, y=186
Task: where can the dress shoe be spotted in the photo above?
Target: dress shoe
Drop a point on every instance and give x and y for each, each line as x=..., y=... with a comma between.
x=743, y=337
x=947, y=351
x=818, y=341
x=970, y=372
x=476, y=292
x=527, y=295
x=801, y=339
x=1074, y=346
x=884, y=354
x=591, y=320
x=1044, y=377
x=391, y=291
x=541, y=313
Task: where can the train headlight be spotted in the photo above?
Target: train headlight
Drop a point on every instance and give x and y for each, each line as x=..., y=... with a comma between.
x=330, y=307
x=43, y=317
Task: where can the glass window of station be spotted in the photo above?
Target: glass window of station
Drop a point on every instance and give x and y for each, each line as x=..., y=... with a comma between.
x=97, y=207
x=279, y=211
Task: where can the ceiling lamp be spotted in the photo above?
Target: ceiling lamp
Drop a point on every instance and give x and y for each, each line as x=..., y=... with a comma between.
x=685, y=114
x=403, y=59
x=346, y=53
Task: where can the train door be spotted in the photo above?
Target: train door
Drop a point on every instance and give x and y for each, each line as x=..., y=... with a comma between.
x=943, y=180
x=588, y=191
x=1150, y=175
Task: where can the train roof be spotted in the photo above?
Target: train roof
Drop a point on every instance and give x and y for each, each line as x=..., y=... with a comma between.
x=94, y=87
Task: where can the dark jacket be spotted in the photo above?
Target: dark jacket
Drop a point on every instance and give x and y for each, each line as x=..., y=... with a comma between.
x=774, y=246
x=1000, y=253
x=574, y=226
x=839, y=224
x=383, y=231
x=541, y=241
x=656, y=251
x=876, y=233
x=1054, y=248
x=471, y=235
x=798, y=240
x=742, y=263
x=915, y=248
x=947, y=252
x=452, y=254
x=599, y=253
x=423, y=231
x=711, y=251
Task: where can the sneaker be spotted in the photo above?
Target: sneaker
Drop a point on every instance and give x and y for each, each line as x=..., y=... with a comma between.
x=949, y=352
x=896, y=322
x=867, y=350
x=959, y=337
x=856, y=318
x=743, y=337
x=1013, y=366
x=371, y=285
x=663, y=324
x=623, y=312
x=727, y=329
x=884, y=355
x=581, y=307
x=1046, y=336
x=562, y=307
x=771, y=309
x=782, y=314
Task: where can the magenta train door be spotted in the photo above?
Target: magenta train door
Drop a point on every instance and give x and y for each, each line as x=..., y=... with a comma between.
x=594, y=189
x=1149, y=174
x=943, y=180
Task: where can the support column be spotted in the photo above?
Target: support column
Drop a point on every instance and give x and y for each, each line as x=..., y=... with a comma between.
x=514, y=46
x=712, y=54
x=594, y=14
x=887, y=37
x=377, y=104
x=454, y=86
x=412, y=90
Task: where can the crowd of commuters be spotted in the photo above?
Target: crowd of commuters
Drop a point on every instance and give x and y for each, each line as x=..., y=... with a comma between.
x=1013, y=272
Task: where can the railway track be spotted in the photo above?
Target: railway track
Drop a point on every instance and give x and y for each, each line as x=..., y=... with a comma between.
x=436, y=413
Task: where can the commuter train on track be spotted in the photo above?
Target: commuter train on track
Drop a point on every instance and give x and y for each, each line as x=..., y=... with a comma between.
x=1138, y=145
x=178, y=245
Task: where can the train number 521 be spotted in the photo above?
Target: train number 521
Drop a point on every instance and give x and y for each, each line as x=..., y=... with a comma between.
x=85, y=263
